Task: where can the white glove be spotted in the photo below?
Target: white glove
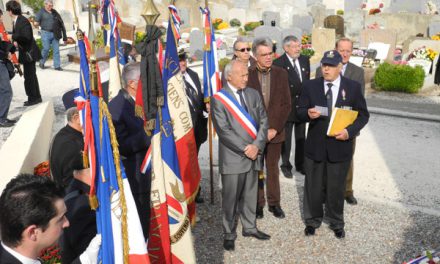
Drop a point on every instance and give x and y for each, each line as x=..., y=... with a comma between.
x=90, y=256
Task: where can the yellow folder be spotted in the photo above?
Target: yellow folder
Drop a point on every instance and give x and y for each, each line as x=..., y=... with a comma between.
x=341, y=118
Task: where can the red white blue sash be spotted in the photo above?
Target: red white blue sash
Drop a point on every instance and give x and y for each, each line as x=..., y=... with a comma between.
x=243, y=117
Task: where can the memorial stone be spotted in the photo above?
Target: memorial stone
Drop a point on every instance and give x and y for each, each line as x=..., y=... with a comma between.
x=297, y=32
x=219, y=11
x=323, y=39
x=336, y=22
x=312, y=2
x=354, y=23
x=241, y=4
x=67, y=19
x=238, y=13
x=271, y=18
x=410, y=6
x=274, y=33
x=433, y=28
x=305, y=23
x=318, y=13
x=380, y=35
x=195, y=41
x=352, y=5
x=184, y=18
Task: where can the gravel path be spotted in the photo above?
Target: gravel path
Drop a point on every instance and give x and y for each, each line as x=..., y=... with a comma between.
x=375, y=233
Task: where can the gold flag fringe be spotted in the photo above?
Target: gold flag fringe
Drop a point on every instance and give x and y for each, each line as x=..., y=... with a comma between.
x=116, y=158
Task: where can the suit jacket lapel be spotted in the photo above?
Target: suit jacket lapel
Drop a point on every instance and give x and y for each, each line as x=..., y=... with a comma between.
x=348, y=71
x=342, y=87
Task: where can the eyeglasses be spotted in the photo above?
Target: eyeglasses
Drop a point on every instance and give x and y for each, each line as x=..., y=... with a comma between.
x=244, y=49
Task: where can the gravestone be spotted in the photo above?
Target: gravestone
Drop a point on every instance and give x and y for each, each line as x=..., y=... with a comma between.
x=415, y=42
x=410, y=6
x=312, y=2
x=352, y=5
x=219, y=11
x=195, y=41
x=323, y=39
x=305, y=23
x=67, y=19
x=270, y=17
x=238, y=13
x=336, y=22
x=433, y=28
x=380, y=35
x=184, y=18
x=241, y=4
x=126, y=31
x=353, y=23
x=318, y=13
x=297, y=32
x=274, y=33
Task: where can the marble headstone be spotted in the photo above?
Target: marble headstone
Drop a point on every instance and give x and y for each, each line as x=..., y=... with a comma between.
x=238, y=13
x=270, y=17
x=297, y=32
x=241, y=4
x=274, y=33
x=433, y=28
x=323, y=39
x=184, y=17
x=318, y=13
x=312, y=2
x=352, y=5
x=195, y=41
x=67, y=19
x=219, y=11
x=411, y=6
x=380, y=35
x=354, y=23
x=305, y=23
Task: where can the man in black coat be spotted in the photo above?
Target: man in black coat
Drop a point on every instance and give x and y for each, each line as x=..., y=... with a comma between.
x=327, y=158
x=197, y=106
x=29, y=53
x=298, y=69
x=133, y=141
x=66, y=153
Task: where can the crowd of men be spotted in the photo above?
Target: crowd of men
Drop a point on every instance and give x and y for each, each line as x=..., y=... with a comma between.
x=264, y=104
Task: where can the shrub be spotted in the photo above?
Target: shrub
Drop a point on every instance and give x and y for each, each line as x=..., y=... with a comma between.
x=235, y=22
x=222, y=63
x=340, y=12
x=399, y=78
x=35, y=5
x=251, y=25
x=40, y=46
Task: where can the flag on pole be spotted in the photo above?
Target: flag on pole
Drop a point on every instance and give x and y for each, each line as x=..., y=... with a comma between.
x=116, y=216
x=170, y=233
x=112, y=40
x=211, y=73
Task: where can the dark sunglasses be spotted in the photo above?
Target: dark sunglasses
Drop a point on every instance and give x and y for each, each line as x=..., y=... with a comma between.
x=244, y=49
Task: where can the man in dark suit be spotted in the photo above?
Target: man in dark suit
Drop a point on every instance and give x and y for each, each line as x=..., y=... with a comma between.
x=327, y=158
x=197, y=106
x=239, y=151
x=273, y=84
x=345, y=47
x=133, y=141
x=298, y=69
x=29, y=53
x=33, y=218
x=66, y=151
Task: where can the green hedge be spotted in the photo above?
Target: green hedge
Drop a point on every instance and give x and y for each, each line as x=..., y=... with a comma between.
x=399, y=78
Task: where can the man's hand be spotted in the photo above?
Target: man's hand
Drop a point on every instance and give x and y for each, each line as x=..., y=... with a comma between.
x=90, y=256
x=313, y=113
x=342, y=135
x=271, y=133
x=208, y=107
x=251, y=151
x=16, y=44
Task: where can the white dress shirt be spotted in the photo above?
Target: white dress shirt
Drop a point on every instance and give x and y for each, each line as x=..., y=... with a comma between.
x=190, y=81
x=335, y=89
x=237, y=97
x=21, y=258
x=295, y=63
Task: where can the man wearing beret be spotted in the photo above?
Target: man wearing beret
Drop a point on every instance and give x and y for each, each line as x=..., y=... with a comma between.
x=327, y=158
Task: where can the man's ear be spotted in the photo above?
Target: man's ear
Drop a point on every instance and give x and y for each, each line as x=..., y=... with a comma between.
x=30, y=233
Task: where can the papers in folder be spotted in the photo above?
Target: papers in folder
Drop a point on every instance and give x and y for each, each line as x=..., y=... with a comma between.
x=341, y=118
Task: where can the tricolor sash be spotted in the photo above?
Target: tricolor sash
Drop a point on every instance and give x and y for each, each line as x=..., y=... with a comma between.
x=243, y=117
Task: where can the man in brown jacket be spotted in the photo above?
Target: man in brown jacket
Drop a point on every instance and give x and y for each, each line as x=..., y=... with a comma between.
x=272, y=83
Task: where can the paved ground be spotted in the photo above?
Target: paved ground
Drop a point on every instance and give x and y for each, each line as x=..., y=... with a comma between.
x=397, y=166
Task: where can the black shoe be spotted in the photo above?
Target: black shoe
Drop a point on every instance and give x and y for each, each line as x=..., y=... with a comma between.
x=5, y=124
x=258, y=235
x=351, y=200
x=42, y=66
x=229, y=245
x=287, y=173
x=277, y=211
x=309, y=231
x=11, y=121
x=59, y=69
x=29, y=103
x=339, y=233
x=259, y=213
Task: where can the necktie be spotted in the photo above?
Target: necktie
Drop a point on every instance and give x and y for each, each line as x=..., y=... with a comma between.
x=243, y=104
x=296, y=70
x=329, y=96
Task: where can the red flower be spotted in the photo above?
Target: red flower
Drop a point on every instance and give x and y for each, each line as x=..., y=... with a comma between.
x=364, y=5
x=381, y=5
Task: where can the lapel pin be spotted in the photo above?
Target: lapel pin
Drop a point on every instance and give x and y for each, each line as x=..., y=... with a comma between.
x=343, y=94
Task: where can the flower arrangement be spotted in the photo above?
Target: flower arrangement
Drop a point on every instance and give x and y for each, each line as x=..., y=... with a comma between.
x=307, y=50
x=423, y=53
x=436, y=36
x=358, y=53
x=249, y=26
x=306, y=39
x=139, y=37
x=431, y=8
x=235, y=22
x=51, y=255
x=373, y=9
x=218, y=24
x=375, y=25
